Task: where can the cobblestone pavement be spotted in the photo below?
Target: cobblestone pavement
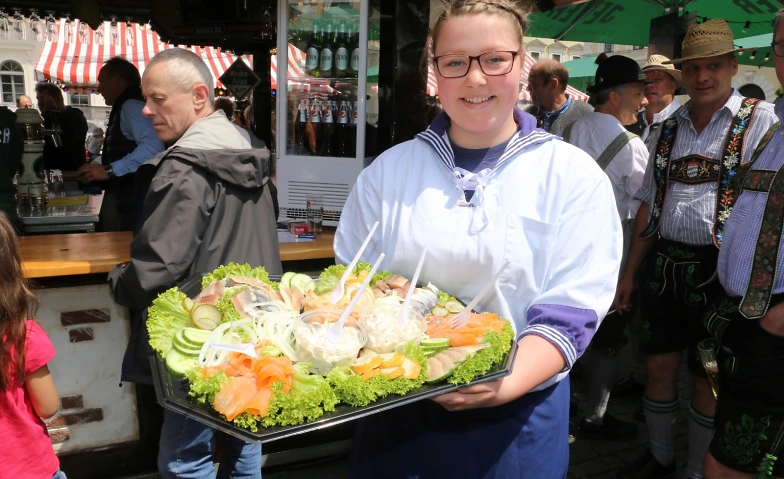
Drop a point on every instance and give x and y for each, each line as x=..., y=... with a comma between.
x=593, y=458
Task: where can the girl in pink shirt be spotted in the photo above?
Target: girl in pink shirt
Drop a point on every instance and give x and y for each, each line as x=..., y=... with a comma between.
x=27, y=392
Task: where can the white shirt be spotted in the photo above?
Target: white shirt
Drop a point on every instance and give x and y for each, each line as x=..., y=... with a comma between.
x=689, y=211
x=593, y=133
x=658, y=118
x=549, y=210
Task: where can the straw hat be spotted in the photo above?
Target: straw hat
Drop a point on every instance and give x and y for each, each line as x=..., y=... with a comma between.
x=660, y=63
x=708, y=39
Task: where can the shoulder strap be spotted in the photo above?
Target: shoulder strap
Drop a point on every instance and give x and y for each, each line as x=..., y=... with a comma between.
x=613, y=148
x=744, y=168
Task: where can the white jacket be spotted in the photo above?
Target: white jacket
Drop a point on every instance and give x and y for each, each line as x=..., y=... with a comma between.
x=550, y=211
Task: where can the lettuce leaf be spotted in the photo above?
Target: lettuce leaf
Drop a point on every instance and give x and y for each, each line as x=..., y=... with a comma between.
x=226, y=307
x=165, y=317
x=204, y=390
x=337, y=270
x=234, y=269
x=480, y=362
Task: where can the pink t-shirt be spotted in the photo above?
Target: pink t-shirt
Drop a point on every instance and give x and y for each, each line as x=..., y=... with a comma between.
x=26, y=452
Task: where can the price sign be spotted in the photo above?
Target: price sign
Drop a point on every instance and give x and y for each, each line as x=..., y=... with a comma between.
x=239, y=79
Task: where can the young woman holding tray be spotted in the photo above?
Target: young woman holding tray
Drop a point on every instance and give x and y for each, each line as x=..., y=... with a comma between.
x=480, y=186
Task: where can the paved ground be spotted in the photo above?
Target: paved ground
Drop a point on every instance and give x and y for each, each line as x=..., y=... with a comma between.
x=589, y=458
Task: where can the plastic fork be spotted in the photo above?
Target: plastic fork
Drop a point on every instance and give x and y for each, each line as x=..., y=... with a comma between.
x=337, y=293
x=335, y=332
x=247, y=349
x=401, y=318
x=461, y=318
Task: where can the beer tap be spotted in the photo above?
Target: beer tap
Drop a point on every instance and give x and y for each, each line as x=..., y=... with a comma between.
x=55, y=131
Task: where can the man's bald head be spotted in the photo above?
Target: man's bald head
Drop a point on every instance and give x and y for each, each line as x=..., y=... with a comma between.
x=24, y=101
x=547, y=82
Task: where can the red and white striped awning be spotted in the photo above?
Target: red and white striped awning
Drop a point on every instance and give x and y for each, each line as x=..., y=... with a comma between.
x=75, y=56
x=528, y=63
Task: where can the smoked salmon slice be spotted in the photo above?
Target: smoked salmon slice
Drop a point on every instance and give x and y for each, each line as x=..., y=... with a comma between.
x=470, y=334
x=234, y=396
x=260, y=402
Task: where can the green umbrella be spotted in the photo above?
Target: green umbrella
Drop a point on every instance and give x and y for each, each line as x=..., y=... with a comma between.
x=582, y=67
x=627, y=22
x=761, y=55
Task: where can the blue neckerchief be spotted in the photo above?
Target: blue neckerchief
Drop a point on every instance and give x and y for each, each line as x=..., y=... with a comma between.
x=436, y=136
x=550, y=116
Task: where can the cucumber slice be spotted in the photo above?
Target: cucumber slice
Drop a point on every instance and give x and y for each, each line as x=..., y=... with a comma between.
x=439, y=311
x=454, y=306
x=300, y=281
x=185, y=349
x=179, y=364
x=179, y=337
x=286, y=278
x=436, y=343
x=195, y=336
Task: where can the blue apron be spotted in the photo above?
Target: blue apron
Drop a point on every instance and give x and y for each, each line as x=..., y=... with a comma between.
x=526, y=438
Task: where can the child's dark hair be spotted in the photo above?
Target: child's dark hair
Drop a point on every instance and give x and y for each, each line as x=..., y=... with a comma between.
x=17, y=303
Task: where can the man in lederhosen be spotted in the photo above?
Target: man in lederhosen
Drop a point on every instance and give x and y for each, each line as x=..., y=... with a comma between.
x=748, y=319
x=686, y=199
x=617, y=95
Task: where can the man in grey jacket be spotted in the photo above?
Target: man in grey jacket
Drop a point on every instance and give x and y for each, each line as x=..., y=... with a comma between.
x=552, y=107
x=206, y=204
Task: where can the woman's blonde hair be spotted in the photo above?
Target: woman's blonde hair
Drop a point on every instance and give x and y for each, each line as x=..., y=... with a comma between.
x=17, y=303
x=514, y=11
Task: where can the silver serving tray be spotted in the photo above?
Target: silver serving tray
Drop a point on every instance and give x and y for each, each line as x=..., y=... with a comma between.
x=172, y=393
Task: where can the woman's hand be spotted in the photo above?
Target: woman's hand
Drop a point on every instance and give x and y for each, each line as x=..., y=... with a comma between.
x=479, y=395
x=537, y=361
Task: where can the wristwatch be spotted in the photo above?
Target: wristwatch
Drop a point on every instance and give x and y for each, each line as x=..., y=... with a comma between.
x=109, y=171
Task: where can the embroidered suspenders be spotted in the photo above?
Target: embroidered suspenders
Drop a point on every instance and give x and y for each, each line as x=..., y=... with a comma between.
x=701, y=169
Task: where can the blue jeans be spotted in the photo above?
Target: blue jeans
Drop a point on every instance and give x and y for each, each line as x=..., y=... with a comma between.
x=188, y=446
x=59, y=475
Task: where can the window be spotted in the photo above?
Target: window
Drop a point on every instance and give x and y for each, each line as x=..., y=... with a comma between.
x=11, y=81
x=79, y=99
x=557, y=57
x=576, y=57
x=608, y=48
x=535, y=55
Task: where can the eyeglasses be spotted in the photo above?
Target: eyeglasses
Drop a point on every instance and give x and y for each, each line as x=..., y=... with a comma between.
x=491, y=64
x=778, y=48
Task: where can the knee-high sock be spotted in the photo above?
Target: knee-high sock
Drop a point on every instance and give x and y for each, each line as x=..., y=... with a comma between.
x=660, y=417
x=700, y=436
x=601, y=374
x=639, y=371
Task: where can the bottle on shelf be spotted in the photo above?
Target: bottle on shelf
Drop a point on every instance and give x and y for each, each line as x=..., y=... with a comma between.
x=352, y=130
x=327, y=51
x=341, y=52
x=342, y=133
x=354, y=49
x=300, y=36
x=300, y=125
x=317, y=140
x=313, y=51
x=328, y=131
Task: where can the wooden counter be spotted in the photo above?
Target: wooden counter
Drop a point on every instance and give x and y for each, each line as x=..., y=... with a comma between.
x=68, y=254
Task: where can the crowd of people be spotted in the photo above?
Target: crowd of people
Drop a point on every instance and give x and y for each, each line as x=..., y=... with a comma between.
x=672, y=234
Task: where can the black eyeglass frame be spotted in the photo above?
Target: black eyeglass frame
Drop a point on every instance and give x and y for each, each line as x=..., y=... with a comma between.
x=515, y=54
x=775, y=46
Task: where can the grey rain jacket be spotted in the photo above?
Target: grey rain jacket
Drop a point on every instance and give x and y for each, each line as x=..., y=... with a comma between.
x=203, y=208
